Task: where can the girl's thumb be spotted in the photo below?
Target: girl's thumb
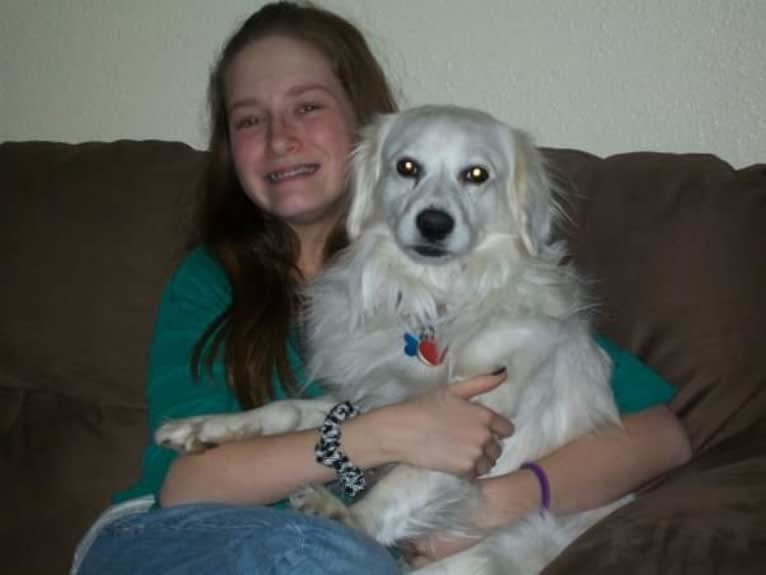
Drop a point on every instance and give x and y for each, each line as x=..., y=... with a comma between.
x=474, y=386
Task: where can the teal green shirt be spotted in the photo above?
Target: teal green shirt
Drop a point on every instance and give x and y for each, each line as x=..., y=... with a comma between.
x=199, y=292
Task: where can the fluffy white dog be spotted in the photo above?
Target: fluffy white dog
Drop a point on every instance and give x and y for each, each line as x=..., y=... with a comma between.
x=450, y=274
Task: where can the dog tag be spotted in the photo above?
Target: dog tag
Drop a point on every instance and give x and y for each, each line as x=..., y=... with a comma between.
x=424, y=348
x=428, y=352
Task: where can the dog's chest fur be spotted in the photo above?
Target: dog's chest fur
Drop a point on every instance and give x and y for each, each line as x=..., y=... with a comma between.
x=487, y=312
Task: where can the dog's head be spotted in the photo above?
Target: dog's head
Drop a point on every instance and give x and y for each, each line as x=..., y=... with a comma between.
x=444, y=179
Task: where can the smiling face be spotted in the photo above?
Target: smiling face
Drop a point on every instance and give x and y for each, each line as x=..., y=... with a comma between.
x=291, y=128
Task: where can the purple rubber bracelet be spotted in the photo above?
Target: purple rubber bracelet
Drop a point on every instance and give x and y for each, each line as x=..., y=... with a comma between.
x=542, y=479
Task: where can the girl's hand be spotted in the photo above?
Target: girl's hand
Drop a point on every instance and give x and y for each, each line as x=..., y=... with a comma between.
x=427, y=549
x=443, y=430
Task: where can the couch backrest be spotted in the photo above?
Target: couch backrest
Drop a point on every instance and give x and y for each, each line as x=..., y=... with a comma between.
x=674, y=246
x=88, y=234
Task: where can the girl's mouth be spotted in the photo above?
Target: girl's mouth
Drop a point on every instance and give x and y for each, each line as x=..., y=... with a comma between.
x=302, y=170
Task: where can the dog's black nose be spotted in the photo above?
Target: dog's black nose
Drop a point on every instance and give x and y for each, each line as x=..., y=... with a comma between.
x=434, y=224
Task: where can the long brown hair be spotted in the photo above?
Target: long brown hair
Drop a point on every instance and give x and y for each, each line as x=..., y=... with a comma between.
x=258, y=252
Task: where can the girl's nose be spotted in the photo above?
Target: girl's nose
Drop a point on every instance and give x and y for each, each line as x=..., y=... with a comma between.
x=283, y=137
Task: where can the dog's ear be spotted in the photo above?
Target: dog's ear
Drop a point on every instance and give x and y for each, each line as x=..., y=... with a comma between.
x=530, y=194
x=364, y=173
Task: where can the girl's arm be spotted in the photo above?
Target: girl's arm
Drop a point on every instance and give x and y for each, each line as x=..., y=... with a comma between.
x=441, y=430
x=588, y=472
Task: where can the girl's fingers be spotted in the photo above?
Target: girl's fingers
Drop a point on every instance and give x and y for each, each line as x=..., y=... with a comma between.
x=492, y=450
x=469, y=388
x=474, y=386
x=501, y=426
x=483, y=466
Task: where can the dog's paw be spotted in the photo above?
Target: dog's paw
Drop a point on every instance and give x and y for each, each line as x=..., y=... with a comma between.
x=196, y=434
x=319, y=501
x=182, y=435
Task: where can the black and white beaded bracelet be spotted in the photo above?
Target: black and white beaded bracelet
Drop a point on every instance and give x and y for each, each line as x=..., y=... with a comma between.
x=329, y=453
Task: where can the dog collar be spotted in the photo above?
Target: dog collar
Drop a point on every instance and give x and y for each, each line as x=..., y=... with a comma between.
x=424, y=347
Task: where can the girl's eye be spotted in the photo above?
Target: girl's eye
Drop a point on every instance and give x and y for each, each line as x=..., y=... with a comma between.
x=306, y=108
x=247, y=122
x=408, y=168
x=475, y=175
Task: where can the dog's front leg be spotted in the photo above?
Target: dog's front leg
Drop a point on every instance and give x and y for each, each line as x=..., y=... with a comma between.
x=409, y=502
x=194, y=434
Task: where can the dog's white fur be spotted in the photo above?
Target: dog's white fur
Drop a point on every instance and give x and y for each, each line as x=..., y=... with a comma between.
x=494, y=291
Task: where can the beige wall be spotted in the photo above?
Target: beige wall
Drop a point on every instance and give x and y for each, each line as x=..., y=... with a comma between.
x=603, y=75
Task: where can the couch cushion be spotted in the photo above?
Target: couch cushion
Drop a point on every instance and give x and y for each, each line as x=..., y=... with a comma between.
x=708, y=518
x=675, y=247
x=62, y=460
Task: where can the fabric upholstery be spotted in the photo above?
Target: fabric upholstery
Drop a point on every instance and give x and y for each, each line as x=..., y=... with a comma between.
x=88, y=235
x=674, y=247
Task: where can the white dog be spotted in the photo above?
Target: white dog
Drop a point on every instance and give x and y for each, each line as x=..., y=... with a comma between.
x=450, y=274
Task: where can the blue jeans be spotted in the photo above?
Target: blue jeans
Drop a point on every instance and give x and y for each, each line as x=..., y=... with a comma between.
x=202, y=539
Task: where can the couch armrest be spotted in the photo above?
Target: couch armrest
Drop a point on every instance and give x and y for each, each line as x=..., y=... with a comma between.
x=707, y=517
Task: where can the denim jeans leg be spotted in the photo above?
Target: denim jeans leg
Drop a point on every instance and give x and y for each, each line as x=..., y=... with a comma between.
x=208, y=539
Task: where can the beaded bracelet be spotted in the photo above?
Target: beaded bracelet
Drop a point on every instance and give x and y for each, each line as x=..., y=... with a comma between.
x=542, y=479
x=329, y=453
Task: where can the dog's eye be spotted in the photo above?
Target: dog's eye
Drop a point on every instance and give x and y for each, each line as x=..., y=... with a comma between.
x=475, y=175
x=408, y=168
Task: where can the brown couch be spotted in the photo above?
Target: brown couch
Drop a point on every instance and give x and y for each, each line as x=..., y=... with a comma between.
x=675, y=245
